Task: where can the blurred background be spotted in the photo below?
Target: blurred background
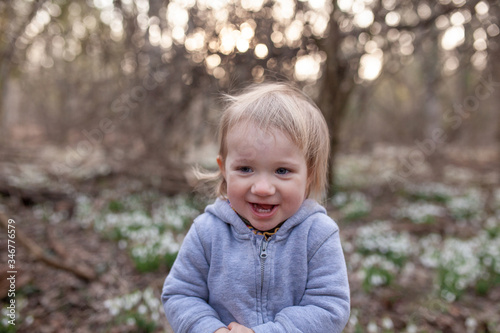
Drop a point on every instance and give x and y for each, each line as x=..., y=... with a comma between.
x=106, y=105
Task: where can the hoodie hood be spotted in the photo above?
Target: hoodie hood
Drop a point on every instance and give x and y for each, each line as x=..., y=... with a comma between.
x=223, y=210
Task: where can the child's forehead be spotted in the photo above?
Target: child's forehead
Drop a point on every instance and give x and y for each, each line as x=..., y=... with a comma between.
x=251, y=137
x=244, y=126
x=252, y=132
x=250, y=140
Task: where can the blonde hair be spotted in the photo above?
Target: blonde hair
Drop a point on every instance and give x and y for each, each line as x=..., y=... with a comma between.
x=284, y=107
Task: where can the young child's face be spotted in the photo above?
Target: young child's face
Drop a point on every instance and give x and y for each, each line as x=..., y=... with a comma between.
x=266, y=175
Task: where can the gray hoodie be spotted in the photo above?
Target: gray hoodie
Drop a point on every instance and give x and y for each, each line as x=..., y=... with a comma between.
x=296, y=281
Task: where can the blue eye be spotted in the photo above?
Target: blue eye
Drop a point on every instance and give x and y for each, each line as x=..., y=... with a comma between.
x=282, y=171
x=245, y=169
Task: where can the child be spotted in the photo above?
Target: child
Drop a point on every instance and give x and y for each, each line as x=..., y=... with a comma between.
x=264, y=257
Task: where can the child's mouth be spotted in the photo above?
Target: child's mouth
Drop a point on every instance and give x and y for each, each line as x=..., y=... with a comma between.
x=262, y=208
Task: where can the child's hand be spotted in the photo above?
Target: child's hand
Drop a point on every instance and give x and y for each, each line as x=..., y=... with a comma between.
x=237, y=328
x=222, y=330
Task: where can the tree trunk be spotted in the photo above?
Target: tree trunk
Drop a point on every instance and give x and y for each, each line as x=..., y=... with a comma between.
x=336, y=86
x=496, y=78
x=4, y=75
x=432, y=108
x=9, y=36
x=494, y=67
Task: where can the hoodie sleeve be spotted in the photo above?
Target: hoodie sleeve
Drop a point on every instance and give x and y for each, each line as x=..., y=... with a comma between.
x=185, y=291
x=325, y=305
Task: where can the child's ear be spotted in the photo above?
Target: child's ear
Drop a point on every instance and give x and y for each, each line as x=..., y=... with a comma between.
x=222, y=168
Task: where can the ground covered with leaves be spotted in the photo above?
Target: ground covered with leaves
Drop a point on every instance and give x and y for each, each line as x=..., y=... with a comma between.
x=422, y=244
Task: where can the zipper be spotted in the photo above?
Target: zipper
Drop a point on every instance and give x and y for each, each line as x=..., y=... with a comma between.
x=263, y=249
x=263, y=256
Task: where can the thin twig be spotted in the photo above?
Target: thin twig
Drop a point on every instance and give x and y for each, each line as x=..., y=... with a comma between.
x=39, y=254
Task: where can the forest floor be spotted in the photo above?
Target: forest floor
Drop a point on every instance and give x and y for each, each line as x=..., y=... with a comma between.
x=421, y=239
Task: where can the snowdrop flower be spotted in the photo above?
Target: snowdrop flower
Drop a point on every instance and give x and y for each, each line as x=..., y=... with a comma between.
x=419, y=212
x=431, y=191
x=377, y=280
x=490, y=254
x=379, y=261
x=173, y=212
x=132, y=299
x=496, y=198
x=357, y=205
x=152, y=301
x=29, y=320
x=170, y=242
x=372, y=327
x=387, y=323
x=155, y=316
x=113, y=306
x=142, y=309
x=411, y=328
x=467, y=206
x=379, y=237
x=353, y=320
x=492, y=223
x=448, y=296
x=430, y=246
x=347, y=246
x=84, y=213
x=471, y=324
x=339, y=199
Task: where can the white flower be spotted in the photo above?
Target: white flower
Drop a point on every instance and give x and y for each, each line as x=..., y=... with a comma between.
x=353, y=320
x=430, y=246
x=387, y=323
x=467, y=206
x=358, y=204
x=431, y=191
x=461, y=257
x=379, y=237
x=496, y=199
x=29, y=320
x=130, y=321
x=142, y=309
x=419, y=212
x=372, y=327
x=377, y=280
x=411, y=328
x=448, y=296
x=471, y=324
x=113, y=306
x=173, y=212
x=339, y=199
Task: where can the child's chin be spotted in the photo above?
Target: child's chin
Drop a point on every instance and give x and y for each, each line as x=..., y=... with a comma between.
x=264, y=225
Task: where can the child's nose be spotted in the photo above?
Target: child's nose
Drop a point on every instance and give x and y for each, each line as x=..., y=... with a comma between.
x=263, y=187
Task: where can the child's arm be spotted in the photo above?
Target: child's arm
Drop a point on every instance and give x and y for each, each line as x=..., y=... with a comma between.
x=325, y=306
x=185, y=292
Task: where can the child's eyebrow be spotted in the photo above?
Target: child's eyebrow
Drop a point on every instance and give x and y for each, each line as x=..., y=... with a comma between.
x=241, y=161
x=288, y=164
x=279, y=163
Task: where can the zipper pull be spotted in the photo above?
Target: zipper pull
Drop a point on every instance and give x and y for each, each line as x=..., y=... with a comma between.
x=263, y=249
